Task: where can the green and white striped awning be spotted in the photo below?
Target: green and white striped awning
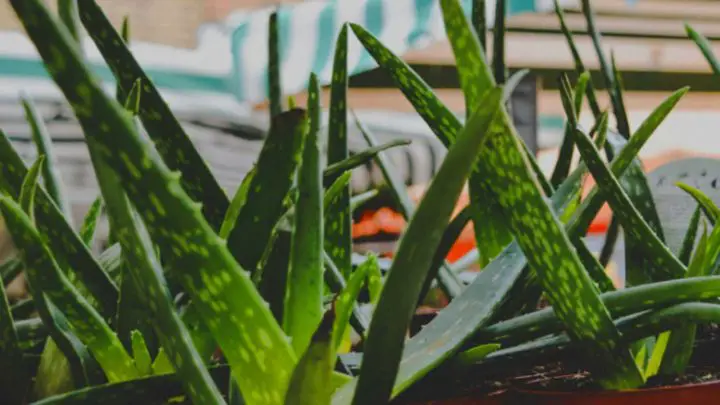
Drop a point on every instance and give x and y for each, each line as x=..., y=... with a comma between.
x=308, y=31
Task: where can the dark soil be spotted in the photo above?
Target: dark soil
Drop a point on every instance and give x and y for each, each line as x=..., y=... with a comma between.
x=559, y=374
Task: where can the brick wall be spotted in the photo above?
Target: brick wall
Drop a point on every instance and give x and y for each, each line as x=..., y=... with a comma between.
x=170, y=22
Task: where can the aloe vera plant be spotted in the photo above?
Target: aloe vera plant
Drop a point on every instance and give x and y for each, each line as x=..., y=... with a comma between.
x=252, y=299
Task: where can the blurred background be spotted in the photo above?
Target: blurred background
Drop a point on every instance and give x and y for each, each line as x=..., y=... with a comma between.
x=209, y=58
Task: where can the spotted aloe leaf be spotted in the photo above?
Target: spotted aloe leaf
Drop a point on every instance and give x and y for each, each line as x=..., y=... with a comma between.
x=383, y=348
x=162, y=126
x=705, y=48
x=275, y=171
x=68, y=249
x=13, y=378
x=345, y=302
x=44, y=273
x=43, y=142
x=338, y=219
x=143, y=280
x=688, y=243
x=29, y=187
x=594, y=268
x=360, y=158
x=712, y=212
x=303, y=301
x=565, y=155
x=238, y=201
x=627, y=214
x=141, y=354
x=309, y=384
x=87, y=230
x=447, y=279
x=274, y=66
x=251, y=340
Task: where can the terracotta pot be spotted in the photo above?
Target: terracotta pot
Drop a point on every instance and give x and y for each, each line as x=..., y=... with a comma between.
x=704, y=393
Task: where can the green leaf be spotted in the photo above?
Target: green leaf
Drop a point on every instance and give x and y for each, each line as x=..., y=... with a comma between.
x=346, y=300
x=633, y=223
x=13, y=378
x=132, y=103
x=43, y=142
x=87, y=230
x=706, y=203
x=10, y=269
x=593, y=267
x=303, y=302
x=274, y=66
x=477, y=353
x=168, y=136
x=383, y=348
x=275, y=171
x=27, y=191
x=161, y=364
x=309, y=383
x=68, y=11
x=335, y=169
x=705, y=48
x=71, y=253
x=498, y=60
x=47, y=277
x=689, y=240
x=338, y=218
x=360, y=199
x=565, y=155
x=513, y=81
x=143, y=362
x=478, y=21
x=238, y=201
x=619, y=103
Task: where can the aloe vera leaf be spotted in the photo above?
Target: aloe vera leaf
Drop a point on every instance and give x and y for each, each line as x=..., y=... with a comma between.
x=29, y=329
x=708, y=206
x=705, y=48
x=309, y=382
x=360, y=199
x=141, y=354
x=374, y=281
x=383, y=348
x=335, y=190
x=450, y=284
x=621, y=113
x=653, y=366
x=10, y=269
x=274, y=80
x=273, y=284
x=265, y=204
x=13, y=378
x=67, y=247
x=667, y=266
x=68, y=12
x=238, y=201
x=498, y=59
x=680, y=343
x=27, y=191
x=360, y=158
x=87, y=230
x=336, y=283
x=346, y=300
x=189, y=246
x=476, y=354
x=620, y=303
x=688, y=244
x=43, y=142
x=456, y=323
x=303, y=301
x=593, y=202
x=85, y=321
x=132, y=102
x=169, y=137
x=338, y=219
x=611, y=237
x=512, y=82
x=565, y=155
x=478, y=21
x=593, y=267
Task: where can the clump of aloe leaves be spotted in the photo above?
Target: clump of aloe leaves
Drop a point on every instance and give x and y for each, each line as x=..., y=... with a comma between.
x=208, y=299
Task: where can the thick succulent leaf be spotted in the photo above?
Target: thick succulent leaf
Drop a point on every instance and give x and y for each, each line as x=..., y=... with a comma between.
x=141, y=354
x=498, y=59
x=335, y=169
x=43, y=142
x=68, y=249
x=13, y=378
x=68, y=12
x=712, y=212
x=383, y=348
x=275, y=171
x=479, y=20
x=274, y=66
x=243, y=326
x=10, y=269
x=705, y=48
x=476, y=354
x=47, y=277
x=162, y=126
x=360, y=199
x=346, y=300
x=593, y=202
x=303, y=300
x=594, y=268
x=309, y=382
x=29, y=186
x=132, y=102
x=565, y=155
x=338, y=218
x=238, y=201
x=633, y=223
x=688, y=244
x=87, y=230
x=513, y=81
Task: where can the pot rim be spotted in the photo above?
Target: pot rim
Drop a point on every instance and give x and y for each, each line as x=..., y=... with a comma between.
x=630, y=392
